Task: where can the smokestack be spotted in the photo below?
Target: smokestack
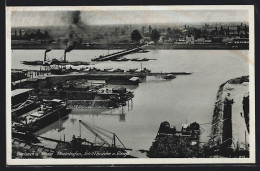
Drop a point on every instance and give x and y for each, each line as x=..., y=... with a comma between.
x=44, y=60
x=45, y=56
x=74, y=19
x=68, y=49
x=65, y=56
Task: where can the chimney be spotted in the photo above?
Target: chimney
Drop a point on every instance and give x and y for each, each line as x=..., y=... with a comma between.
x=44, y=60
x=65, y=56
x=45, y=55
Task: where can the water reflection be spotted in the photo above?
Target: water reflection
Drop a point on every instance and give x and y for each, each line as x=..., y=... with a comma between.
x=72, y=119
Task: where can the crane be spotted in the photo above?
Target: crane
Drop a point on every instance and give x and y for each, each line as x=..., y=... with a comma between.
x=97, y=131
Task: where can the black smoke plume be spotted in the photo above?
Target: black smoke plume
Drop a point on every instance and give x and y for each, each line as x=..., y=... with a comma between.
x=70, y=48
x=75, y=19
x=75, y=23
x=47, y=50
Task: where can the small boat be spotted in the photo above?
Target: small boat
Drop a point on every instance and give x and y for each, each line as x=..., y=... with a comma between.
x=134, y=59
x=119, y=60
x=138, y=60
x=94, y=69
x=91, y=69
x=132, y=70
x=145, y=70
x=107, y=69
x=110, y=70
x=118, y=70
x=169, y=76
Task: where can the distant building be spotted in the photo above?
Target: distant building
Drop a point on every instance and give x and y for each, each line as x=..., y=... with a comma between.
x=160, y=40
x=207, y=41
x=180, y=41
x=227, y=39
x=190, y=39
x=200, y=41
x=241, y=41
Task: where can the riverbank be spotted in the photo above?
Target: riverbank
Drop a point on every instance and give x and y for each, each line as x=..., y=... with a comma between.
x=230, y=133
x=216, y=46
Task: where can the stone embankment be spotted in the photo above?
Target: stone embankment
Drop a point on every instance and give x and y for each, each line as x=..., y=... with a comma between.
x=230, y=124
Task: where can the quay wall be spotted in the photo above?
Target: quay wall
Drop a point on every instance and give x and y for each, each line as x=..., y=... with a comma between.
x=221, y=131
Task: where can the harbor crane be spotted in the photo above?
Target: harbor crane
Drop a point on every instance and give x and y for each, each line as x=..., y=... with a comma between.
x=97, y=131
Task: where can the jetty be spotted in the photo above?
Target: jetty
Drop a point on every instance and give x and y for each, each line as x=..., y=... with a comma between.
x=102, y=75
x=35, y=75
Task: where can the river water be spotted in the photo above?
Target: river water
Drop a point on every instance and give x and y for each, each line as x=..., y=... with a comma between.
x=183, y=100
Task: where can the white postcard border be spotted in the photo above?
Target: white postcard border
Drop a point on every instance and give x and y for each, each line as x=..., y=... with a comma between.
x=251, y=60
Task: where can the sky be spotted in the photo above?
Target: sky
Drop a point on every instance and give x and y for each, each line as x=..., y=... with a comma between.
x=102, y=17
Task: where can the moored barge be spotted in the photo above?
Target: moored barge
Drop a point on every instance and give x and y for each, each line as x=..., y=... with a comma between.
x=49, y=112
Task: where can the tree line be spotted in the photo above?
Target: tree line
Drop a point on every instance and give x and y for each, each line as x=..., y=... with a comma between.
x=154, y=35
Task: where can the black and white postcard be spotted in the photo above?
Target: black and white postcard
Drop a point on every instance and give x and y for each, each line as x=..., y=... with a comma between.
x=130, y=85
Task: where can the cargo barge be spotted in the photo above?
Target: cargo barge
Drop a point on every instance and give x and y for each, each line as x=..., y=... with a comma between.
x=49, y=112
x=26, y=106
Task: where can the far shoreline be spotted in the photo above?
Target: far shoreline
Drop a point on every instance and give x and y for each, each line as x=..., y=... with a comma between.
x=129, y=46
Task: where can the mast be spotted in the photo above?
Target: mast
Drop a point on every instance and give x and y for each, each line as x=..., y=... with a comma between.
x=141, y=67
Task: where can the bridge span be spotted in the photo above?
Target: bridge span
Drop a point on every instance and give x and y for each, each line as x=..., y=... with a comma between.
x=118, y=54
